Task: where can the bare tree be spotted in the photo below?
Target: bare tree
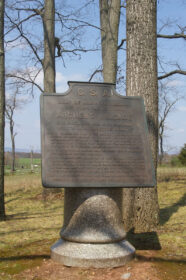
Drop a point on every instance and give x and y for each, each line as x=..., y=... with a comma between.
x=10, y=109
x=2, y=106
x=179, y=34
x=167, y=103
x=31, y=161
x=13, y=102
x=26, y=16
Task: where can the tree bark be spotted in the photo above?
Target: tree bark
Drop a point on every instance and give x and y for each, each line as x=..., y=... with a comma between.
x=49, y=59
x=31, y=161
x=109, y=19
x=13, y=143
x=161, y=147
x=49, y=46
x=140, y=205
x=2, y=110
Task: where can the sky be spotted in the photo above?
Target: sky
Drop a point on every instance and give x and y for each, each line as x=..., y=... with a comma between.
x=27, y=118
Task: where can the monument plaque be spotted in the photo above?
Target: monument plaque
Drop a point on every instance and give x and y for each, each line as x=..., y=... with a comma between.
x=94, y=137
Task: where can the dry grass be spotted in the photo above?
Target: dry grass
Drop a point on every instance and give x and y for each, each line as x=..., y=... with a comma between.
x=171, y=173
x=172, y=231
x=172, y=201
x=22, y=182
x=33, y=224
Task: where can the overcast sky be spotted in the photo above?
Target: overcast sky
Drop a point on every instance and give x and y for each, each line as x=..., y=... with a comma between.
x=27, y=119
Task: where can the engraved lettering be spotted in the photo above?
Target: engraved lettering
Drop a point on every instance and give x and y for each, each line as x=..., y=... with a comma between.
x=93, y=92
x=105, y=93
x=80, y=92
x=97, y=142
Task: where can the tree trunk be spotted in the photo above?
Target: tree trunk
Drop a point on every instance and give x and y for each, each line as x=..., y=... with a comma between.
x=2, y=110
x=49, y=46
x=161, y=147
x=49, y=60
x=140, y=205
x=109, y=19
x=13, y=145
x=31, y=161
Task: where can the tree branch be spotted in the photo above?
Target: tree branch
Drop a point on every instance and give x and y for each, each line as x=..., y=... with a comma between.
x=19, y=23
x=172, y=73
x=27, y=40
x=25, y=80
x=121, y=44
x=13, y=40
x=174, y=36
x=94, y=73
x=37, y=11
x=79, y=50
x=68, y=19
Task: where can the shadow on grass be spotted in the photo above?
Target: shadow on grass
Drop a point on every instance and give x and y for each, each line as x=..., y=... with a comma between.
x=21, y=216
x=29, y=230
x=34, y=215
x=158, y=259
x=13, y=199
x=31, y=257
x=167, y=212
x=144, y=240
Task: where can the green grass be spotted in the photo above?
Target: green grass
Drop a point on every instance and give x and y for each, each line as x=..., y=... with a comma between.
x=23, y=165
x=34, y=221
x=27, y=161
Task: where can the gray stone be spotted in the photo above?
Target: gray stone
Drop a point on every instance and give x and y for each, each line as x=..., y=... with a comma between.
x=126, y=276
x=92, y=255
x=93, y=215
x=93, y=233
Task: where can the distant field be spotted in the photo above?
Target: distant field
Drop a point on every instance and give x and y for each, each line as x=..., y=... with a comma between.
x=27, y=161
x=165, y=173
x=171, y=173
x=24, y=165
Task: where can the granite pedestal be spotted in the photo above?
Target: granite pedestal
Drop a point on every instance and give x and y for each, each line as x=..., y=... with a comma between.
x=92, y=234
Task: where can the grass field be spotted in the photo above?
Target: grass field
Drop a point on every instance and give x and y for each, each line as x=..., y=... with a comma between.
x=34, y=221
x=23, y=165
x=171, y=173
x=27, y=161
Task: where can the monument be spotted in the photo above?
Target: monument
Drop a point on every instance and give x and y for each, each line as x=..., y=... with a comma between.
x=94, y=143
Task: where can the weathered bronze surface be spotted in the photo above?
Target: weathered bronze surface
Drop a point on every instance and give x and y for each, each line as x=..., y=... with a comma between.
x=94, y=137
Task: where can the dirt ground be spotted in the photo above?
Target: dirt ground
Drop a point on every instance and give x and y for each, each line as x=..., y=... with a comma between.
x=54, y=271
x=145, y=266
